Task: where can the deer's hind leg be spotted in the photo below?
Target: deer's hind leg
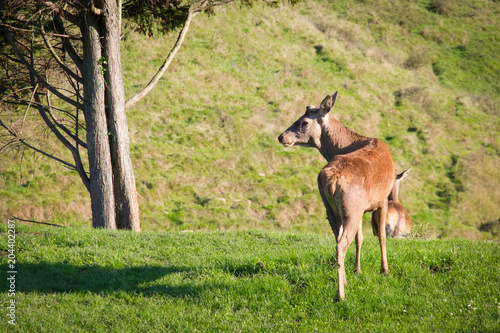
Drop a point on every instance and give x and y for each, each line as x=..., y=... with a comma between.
x=351, y=227
x=331, y=215
x=334, y=220
x=332, y=212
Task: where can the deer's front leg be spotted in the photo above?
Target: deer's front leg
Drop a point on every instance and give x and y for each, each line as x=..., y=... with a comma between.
x=359, y=242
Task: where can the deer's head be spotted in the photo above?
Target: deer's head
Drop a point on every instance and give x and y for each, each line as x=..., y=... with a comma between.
x=306, y=131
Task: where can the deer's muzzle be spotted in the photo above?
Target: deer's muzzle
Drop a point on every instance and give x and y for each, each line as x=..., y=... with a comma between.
x=283, y=141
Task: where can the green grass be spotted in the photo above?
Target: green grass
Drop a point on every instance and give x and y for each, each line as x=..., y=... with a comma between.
x=422, y=76
x=80, y=280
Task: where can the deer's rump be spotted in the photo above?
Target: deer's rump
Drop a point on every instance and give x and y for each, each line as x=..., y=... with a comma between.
x=363, y=177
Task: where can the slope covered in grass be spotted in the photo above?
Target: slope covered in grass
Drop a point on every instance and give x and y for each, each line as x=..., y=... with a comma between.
x=81, y=280
x=422, y=76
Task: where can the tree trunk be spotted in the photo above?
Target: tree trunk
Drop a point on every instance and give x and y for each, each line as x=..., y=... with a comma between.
x=126, y=204
x=101, y=175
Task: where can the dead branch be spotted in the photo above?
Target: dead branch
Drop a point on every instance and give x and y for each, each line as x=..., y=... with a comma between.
x=27, y=109
x=61, y=126
x=76, y=154
x=94, y=9
x=16, y=138
x=31, y=221
x=29, y=30
x=35, y=73
x=64, y=67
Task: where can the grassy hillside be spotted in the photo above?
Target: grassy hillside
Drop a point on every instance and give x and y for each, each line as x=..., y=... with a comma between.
x=423, y=76
x=81, y=280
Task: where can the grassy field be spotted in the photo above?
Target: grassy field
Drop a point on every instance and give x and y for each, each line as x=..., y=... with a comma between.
x=423, y=76
x=84, y=280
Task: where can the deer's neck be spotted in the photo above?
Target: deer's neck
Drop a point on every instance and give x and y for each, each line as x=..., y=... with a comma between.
x=337, y=139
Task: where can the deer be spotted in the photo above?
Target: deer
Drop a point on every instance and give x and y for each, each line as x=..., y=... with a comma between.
x=358, y=178
x=398, y=222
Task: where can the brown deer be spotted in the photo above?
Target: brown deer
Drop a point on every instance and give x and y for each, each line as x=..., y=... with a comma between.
x=398, y=222
x=359, y=177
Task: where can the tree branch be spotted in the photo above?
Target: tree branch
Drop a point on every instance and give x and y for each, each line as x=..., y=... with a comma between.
x=76, y=154
x=206, y=4
x=68, y=47
x=27, y=109
x=59, y=61
x=27, y=30
x=94, y=9
x=21, y=101
x=18, y=139
x=58, y=9
x=180, y=39
x=67, y=131
x=31, y=221
x=194, y=10
x=35, y=73
x=62, y=127
x=41, y=111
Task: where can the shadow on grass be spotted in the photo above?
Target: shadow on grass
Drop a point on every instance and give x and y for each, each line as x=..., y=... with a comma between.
x=243, y=270
x=67, y=278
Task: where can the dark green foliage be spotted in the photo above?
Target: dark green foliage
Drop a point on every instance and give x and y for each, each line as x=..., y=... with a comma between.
x=156, y=15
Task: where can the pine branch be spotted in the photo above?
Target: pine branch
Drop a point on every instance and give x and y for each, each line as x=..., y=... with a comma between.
x=16, y=138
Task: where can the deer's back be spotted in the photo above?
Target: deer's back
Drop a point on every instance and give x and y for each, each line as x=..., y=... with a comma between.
x=363, y=177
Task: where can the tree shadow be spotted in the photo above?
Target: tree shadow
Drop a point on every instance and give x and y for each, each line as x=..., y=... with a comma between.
x=68, y=278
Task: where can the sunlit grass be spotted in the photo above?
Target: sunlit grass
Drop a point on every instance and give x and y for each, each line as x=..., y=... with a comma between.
x=79, y=279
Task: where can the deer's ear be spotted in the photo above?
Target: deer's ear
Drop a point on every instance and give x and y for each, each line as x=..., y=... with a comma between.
x=327, y=104
x=334, y=97
x=403, y=174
